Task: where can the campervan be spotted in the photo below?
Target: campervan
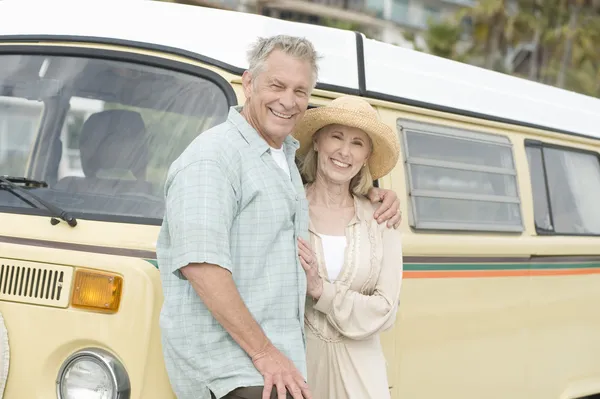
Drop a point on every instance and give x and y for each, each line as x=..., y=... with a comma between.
x=501, y=282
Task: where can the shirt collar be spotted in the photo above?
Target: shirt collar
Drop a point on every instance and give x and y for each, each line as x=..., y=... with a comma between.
x=256, y=142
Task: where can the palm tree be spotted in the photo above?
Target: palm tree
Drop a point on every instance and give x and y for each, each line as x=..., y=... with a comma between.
x=497, y=26
x=584, y=15
x=443, y=39
x=562, y=37
x=584, y=74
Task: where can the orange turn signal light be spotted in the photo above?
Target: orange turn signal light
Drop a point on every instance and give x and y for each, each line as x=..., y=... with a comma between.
x=97, y=291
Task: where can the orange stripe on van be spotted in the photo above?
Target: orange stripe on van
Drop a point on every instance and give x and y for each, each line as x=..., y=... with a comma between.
x=498, y=273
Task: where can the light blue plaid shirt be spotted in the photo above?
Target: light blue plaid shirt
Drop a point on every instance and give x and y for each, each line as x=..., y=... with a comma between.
x=229, y=203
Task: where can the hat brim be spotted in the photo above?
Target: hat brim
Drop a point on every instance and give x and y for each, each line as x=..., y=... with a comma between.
x=386, y=147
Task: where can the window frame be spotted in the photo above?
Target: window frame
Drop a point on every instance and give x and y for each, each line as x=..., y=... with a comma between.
x=432, y=129
x=532, y=143
x=127, y=54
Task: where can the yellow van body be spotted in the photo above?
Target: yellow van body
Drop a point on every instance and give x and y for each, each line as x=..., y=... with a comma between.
x=492, y=314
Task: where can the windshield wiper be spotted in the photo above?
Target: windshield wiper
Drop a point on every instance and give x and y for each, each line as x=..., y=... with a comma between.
x=26, y=181
x=8, y=183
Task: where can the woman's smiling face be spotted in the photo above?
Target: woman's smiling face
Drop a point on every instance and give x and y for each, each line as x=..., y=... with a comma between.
x=342, y=151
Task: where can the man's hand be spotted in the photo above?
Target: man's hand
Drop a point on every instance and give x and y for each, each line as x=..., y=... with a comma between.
x=215, y=286
x=390, y=206
x=278, y=370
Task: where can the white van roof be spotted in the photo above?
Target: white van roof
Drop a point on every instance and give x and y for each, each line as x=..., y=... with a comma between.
x=351, y=63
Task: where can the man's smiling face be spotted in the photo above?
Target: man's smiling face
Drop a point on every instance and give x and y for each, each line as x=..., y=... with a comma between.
x=277, y=96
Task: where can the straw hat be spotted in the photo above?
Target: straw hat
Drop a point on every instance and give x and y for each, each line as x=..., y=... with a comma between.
x=355, y=112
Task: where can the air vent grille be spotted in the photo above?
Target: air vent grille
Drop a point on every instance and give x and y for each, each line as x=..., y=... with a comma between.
x=35, y=283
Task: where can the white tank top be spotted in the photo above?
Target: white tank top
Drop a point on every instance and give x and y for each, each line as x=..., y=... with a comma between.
x=334, y=248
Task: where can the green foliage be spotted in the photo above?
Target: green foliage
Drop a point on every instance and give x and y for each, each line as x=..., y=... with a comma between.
x=564, y=36
x=334, y=23
x=442, y=39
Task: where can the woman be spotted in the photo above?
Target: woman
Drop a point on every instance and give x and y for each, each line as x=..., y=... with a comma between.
x=355, y=271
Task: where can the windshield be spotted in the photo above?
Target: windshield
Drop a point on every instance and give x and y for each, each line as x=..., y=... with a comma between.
x=101, y=133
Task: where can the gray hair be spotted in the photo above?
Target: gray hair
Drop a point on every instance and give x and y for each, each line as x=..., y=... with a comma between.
x=297, y=47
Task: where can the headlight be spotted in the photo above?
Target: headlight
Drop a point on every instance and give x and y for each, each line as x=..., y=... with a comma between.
x=92, y=374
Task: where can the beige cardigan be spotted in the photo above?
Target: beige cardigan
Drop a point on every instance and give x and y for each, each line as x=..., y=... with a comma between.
x=345, y=359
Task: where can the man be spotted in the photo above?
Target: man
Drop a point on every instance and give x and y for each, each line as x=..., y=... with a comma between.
x=234, y=289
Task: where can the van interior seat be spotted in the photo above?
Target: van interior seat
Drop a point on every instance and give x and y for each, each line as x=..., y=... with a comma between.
x=112, y=140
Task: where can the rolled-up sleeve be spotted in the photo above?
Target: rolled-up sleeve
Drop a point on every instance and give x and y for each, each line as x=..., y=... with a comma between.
x=201, y=205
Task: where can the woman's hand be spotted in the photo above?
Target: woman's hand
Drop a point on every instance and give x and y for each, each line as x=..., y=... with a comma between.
x=311, y=267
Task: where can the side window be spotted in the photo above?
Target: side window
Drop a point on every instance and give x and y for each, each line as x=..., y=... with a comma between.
x=566, y=189
x=460, y=180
